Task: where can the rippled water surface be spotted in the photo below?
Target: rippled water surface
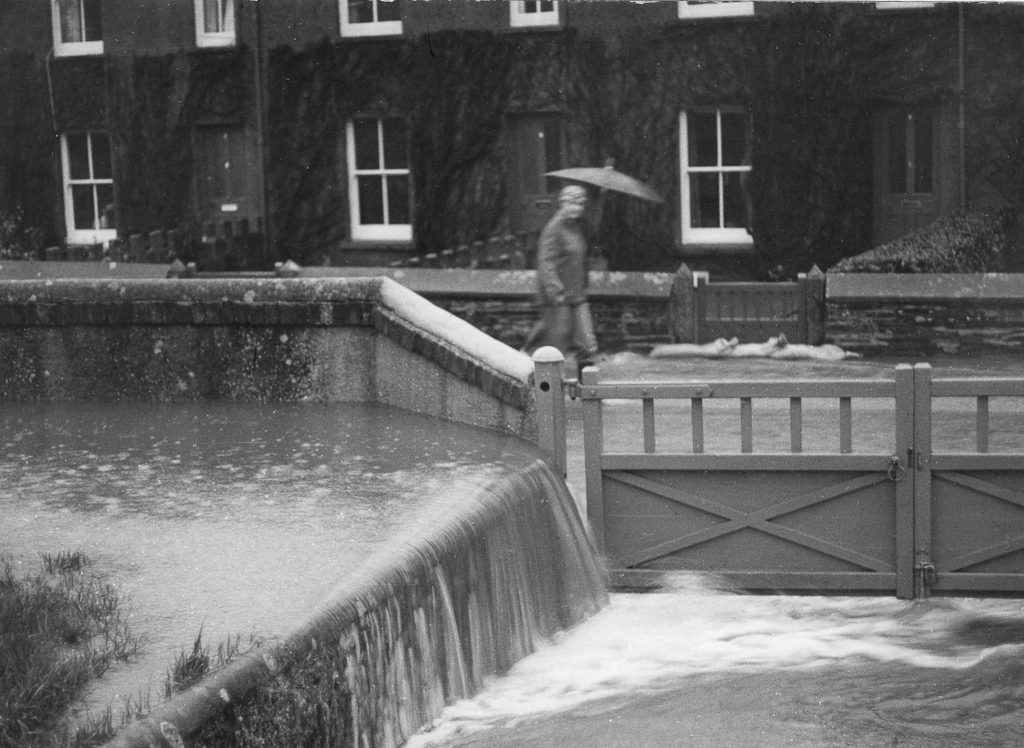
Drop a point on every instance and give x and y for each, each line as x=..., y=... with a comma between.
x=235, y=518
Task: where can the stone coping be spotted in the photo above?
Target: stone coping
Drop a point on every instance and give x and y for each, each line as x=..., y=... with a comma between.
x=503, y=284
x=391, y=309
x=925, y=287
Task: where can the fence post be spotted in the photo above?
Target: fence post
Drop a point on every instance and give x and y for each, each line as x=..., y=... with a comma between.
x=814, y=306
x=593, y=446
x=922, y=479
x=680, y=306
x=549, y=396
x=700, y=308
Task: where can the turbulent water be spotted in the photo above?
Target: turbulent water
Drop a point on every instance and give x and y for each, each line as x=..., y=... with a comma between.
x=695, y=665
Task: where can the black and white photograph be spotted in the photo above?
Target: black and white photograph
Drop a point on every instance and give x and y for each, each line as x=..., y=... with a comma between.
x=511, y=373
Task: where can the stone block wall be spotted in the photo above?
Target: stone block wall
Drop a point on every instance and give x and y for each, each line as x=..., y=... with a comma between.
x=928, y=313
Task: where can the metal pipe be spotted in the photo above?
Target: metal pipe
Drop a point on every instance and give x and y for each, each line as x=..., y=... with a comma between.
x=961, y=115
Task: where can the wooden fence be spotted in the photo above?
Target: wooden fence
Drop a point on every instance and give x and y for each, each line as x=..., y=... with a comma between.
x=701, y=311
x=796, y=489
x=510, y=252
x=219, y=245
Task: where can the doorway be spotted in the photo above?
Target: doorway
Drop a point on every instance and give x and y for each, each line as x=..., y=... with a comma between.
x=537, y=146
x=914, y=168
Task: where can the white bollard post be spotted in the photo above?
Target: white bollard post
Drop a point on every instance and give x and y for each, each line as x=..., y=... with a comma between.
x=549, y=395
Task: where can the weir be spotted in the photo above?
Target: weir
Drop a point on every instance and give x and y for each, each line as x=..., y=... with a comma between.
x=419, y=625
x=462, y=598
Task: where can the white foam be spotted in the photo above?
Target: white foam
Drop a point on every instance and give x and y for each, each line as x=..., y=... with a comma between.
x=645, y=641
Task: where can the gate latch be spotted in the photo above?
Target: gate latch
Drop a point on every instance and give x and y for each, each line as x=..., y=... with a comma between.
x=927, y=572
x=896, y=470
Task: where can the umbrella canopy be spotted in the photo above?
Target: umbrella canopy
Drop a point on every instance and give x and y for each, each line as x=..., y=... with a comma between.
x=608, y=178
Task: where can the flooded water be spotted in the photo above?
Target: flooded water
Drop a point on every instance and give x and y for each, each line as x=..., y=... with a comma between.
x=232, y=518
x=694, y=665
x=238, y=518
x=703, y=666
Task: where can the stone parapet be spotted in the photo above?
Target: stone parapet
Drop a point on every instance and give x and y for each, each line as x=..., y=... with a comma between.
x=263, y=339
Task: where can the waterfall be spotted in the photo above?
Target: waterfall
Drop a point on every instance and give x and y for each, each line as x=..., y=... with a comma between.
x=423, y=624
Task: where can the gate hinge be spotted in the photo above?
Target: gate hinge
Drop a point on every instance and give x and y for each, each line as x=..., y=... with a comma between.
x=572, y=388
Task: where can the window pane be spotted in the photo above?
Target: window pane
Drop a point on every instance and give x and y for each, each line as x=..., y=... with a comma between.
x=734, y=139
x=78, y=155
x=898, y=153
x=211, y=16
x=735, y=201
x=923, y=141
x=371, y=200
x=398, y=199
x=360, y=11
x=389, y=10
x=105, y=200
x=704, y=201
x=703, y=139
x=367, y=154
x=84, y=206
x=70, y=21
x=93, y=20
x=395, y=150
x=100, y=155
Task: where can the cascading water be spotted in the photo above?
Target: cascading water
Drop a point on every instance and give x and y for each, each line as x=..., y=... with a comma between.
x=457, y=599
x=481, y=592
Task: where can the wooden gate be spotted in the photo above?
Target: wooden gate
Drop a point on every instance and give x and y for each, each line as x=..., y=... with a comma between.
x=969, y=498
x=700, y=311
x=802, y=499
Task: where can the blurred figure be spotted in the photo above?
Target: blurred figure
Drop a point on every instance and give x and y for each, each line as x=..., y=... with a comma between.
x=565, y=320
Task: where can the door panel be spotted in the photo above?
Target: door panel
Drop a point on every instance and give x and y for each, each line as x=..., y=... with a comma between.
x=914, y=174
x=223, y=175
x=537, y=146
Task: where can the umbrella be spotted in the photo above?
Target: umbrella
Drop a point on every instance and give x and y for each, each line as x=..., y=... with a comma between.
x=608, y=178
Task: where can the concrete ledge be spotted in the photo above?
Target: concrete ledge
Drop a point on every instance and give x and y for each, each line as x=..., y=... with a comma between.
x=268, y=339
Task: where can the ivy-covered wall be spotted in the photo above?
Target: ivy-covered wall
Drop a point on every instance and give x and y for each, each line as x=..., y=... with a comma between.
x=809, y=73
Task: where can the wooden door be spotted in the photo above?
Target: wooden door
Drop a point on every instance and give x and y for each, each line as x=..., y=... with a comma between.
x=224, y=174
x=536, y=147
x=914, y=172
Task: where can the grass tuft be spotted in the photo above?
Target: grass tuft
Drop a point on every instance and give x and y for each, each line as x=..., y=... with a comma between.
x=59, y=629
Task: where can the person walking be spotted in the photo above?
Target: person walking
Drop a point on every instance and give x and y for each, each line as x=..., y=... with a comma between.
x=565, y=320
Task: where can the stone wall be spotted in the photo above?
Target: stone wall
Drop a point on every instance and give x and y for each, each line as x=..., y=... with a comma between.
x=317, y=340
x=925, y=314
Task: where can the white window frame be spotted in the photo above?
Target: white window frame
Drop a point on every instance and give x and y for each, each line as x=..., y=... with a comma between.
x=704, y=235
x=62, y=48
x=715, y=9
x=519, y=17
x=372, y=28
x=76, y=235
x=224, y=37
x=373, y=231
